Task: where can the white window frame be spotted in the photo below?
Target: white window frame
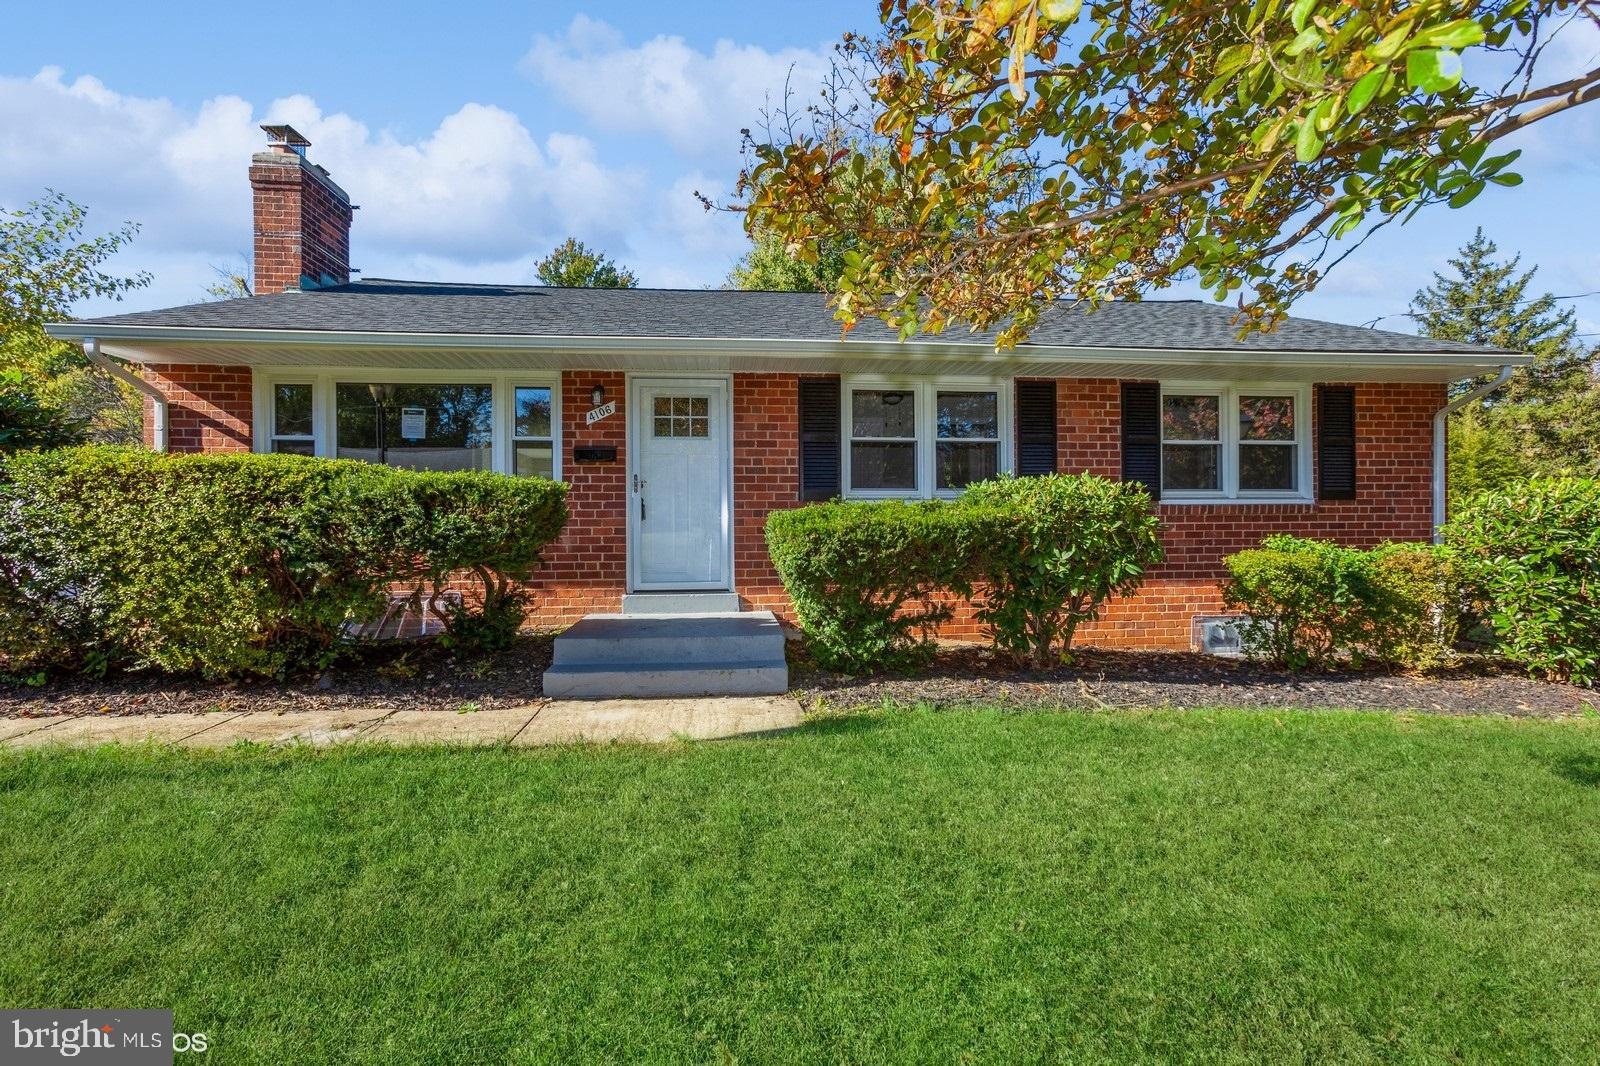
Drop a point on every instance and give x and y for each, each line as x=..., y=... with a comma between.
x=925, y=392
x=273, y=436
x=1228, y=432
x=554, y=439
x=325, y=437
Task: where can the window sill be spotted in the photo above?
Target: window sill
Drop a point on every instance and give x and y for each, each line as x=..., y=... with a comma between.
x=1228, y=501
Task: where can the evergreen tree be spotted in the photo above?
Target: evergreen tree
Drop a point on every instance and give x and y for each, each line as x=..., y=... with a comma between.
x=1546, y=418
x=574, y=265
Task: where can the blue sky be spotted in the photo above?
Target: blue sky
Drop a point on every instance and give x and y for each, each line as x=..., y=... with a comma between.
x=477, y=136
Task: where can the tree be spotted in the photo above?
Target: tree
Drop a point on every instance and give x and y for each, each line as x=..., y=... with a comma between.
x=46, y=266
x=26, y=421
x=573, y=265
x=770, y=265
x=233, y=281
x=1546, y=418
x=1234, y=140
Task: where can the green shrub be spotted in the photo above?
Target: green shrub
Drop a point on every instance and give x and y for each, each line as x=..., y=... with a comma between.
x=1417, y=605
x=870, y=581
x=1305, y=601
x=235, y=564
x=1310, y=603
x=1531, y=556
x=1053, y=550
x=487, y=526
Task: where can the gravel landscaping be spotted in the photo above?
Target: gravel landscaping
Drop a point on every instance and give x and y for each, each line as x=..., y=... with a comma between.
x=1106, y=679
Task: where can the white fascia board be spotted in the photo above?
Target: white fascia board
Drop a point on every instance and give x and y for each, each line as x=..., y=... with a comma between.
x=1469, y=362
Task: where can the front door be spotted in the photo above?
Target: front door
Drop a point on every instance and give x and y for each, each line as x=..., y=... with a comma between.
x=680, y=510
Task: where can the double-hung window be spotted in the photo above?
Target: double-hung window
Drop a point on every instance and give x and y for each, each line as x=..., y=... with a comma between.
x=1235, y=442
x=923, y=438
x=532, y=435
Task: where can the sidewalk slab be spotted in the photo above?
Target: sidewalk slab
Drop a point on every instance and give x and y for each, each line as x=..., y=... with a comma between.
x=702, y=718
x=15, y=727
x=88, y=730
x=291, y=727
x=445, y=727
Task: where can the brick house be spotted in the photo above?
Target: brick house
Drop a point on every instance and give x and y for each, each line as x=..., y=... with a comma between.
x=680, y=419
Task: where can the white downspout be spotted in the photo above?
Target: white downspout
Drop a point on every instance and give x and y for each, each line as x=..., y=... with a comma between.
x=158, y=432
x=1441, y=441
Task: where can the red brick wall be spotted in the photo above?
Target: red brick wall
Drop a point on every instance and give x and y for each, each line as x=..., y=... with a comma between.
x=586, y=569
x=208, y=407
x=302, y=223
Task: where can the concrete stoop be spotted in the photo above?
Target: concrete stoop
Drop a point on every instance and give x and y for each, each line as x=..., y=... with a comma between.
x=615, y=655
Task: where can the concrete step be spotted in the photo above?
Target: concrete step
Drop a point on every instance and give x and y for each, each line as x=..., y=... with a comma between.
x=754, y=636
x=644, y=603
x=598, y=681
x=611, y=655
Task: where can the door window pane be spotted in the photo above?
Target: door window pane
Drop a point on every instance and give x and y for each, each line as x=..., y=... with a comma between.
x=883, y=465
x=423, y=427
x=680, y=416
x=883, y=413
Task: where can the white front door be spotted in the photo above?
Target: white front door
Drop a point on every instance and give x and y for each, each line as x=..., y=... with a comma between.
x=680, y=509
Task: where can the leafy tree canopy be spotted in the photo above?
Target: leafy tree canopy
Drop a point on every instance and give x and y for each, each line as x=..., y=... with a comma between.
x=573, y=265
x=26, y=421
x=46, y=266
x=1049, y=149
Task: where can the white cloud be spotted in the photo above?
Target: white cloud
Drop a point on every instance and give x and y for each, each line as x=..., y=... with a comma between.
x=477, y=191
x=699, y=101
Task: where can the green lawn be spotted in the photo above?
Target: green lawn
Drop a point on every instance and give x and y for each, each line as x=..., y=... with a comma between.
x=907, y=885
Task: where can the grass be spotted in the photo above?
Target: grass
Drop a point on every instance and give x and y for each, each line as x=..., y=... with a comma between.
x=906, y=885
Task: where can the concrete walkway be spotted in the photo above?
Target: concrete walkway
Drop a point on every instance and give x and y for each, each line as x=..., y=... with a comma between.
x=552, y=722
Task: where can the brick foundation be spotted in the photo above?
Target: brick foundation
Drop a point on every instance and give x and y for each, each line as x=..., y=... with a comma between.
x=586, y=569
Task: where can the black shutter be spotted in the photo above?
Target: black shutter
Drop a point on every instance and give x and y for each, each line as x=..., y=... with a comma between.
x=1141, y=434
x=819, y=438
x=1036, y=427
x=1336, y=442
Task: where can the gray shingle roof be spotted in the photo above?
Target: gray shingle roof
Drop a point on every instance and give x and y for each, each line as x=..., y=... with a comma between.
x=383, y=306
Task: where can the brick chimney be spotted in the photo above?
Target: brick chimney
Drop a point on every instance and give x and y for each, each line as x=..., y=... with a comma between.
x=302, y=219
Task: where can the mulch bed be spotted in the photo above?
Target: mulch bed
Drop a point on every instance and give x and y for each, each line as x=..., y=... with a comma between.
x=423, y=676
x=402, y=675
x=1109, y=679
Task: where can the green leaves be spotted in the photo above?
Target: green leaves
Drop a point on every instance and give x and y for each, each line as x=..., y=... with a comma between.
x=1169, y=119
x=1433, y=70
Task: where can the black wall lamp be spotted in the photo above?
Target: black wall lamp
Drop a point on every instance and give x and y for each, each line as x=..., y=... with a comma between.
x=597, y=395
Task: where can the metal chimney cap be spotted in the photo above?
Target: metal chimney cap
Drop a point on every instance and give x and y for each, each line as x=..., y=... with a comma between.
x=286, y=137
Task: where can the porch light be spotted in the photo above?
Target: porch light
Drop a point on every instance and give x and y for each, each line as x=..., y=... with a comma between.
x=597, y=395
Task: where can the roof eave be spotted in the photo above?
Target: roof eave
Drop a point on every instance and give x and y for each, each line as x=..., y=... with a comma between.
x=1470, y=361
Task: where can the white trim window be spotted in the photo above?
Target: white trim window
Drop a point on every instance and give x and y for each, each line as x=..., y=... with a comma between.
x=432, y=420
x=294, y=421
x=923, y=437
x=1235, y=442
x=533, y=430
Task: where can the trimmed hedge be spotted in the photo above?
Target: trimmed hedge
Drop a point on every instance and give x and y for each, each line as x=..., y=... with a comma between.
x=1310, y=603
x=1531, y=559
x=225, y=565
x=870, y=581
x=1055, y=548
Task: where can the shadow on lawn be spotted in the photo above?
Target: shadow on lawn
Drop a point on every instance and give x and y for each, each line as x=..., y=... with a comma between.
x=1579, y=768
